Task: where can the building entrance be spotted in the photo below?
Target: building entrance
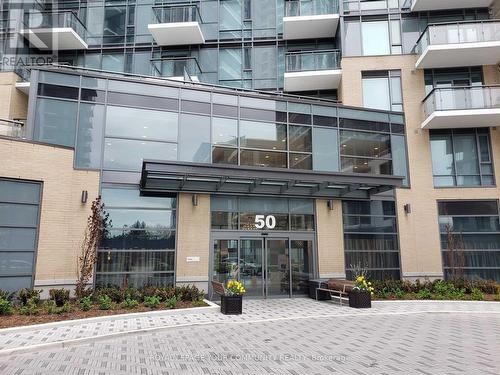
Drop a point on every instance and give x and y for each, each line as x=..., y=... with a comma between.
x=269, y=265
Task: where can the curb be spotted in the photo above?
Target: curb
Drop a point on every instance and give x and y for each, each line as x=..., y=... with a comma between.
x=211, y=306
x=70, y=342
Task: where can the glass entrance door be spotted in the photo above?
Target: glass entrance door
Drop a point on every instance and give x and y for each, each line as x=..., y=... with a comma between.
x=267, y=267
x=277, y=267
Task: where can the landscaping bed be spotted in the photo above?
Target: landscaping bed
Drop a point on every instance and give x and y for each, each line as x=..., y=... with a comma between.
x=459, y=289
x=26, y=308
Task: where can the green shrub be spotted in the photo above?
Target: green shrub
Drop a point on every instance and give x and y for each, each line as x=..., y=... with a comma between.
x=189, y=293
x=26, y=294
x=50, y=306
x=446, y=290
x=85, y=303
x=171, y=303
x=6, y=295
x=131, y=293
x=399, y=293
x=105, y=302
x=5, y=306
x=59, y=296
x=30, y=307
x=66, y=308
x=199, y=303
x=477, y=294
x=424, y=294
x=113, y=292
x=497, y=297
x=152, y=302
x=130, y=303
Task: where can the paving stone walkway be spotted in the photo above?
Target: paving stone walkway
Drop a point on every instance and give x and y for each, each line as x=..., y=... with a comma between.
x=298, y=336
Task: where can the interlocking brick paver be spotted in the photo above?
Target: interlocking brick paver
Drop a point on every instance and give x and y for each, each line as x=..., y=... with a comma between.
x=298, y=336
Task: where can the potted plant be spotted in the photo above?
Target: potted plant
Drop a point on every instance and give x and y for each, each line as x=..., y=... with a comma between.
x=232, y=300
x=361, y=295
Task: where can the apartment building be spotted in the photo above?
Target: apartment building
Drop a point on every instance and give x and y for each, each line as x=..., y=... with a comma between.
x=272, y=141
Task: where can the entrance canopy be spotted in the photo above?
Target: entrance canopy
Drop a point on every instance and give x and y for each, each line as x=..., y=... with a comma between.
x=166, y=177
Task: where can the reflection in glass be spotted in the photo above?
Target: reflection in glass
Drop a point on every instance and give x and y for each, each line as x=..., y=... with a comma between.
x=251, y=266
x=141, y=219
x=131, y=261
x=263, y=135
x=224, y=220
x=278, y=268
x=365, y=165
x=302, y=268
x=225, y=260
x=224, y=155
x=300, y=138
x=365, y=144
x=138, y=239
x=263, y=158
x=224, y=131
x=135, y=280
x=300, y=161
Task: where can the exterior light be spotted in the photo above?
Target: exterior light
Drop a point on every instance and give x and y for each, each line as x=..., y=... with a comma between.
x=330, y=204
x=407, y=208
x=85, y=196
x=195, y=199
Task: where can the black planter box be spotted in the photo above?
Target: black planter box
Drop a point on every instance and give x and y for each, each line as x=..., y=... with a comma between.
x=361, y=300
x=231, y=305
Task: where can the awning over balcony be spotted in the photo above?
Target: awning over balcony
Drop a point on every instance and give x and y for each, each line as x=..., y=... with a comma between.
x=167, y=177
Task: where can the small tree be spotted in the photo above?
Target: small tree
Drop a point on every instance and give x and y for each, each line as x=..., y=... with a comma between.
x=454, y=253
x=97, y=224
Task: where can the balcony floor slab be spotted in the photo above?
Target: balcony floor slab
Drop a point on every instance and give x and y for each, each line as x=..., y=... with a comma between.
x=310, y=27
x=458, y=55
x=313, y=80
x=176, y=33
x=55, y=39
x=420, y=5
x=466, y=118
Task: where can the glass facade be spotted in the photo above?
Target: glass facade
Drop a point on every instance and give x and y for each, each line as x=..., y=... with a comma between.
x=462, y=157
x=470, y=239
x=19, y=217
x=371, y=239
x=138, y=248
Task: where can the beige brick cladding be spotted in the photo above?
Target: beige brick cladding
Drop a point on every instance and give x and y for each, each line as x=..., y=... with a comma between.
x=193, y=240
x=13, y=103
x=419, y=232
x=63, y=217
x=330, y=239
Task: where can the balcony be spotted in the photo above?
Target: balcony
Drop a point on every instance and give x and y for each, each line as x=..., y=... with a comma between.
x=9, y=128
x=176, y=25
x=459, y=44
x=310, y=19
x=24, y=74
x=420, y=5
x=462, y=107
x=314, y=70
x=55, y=31
x=177, y=68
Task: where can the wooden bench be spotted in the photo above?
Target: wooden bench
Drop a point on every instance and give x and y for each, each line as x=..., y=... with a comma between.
x=218, y=288
x=338, y=289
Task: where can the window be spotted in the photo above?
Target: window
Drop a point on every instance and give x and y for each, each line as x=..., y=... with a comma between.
x=470, y=239
x=382, y=90
x=55, y=121
x=371, y=238
x=19, y=211
x=375, y=38
x=90, y=136
x=194, y=138
x=461, y=157
x=452, y=77
x=239, y=212
x=139, y=246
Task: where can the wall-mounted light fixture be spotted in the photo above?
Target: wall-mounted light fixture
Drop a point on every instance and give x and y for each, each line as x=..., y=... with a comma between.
x=407, y=208
x=85, y=196
x=330, y=204
x=195, y=199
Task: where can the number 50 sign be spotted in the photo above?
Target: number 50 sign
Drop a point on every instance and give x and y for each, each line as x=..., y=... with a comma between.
x=263, y=221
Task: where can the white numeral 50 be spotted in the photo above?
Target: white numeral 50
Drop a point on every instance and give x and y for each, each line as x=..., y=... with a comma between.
x=262, y=221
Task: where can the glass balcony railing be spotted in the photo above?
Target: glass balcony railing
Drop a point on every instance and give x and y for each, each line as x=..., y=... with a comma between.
x=298, y=8
x=9, y=128
x=55, y=19
x=176, y=67
x=459, y=33
x=462, y=98
x=176, y=13
x=312, y=60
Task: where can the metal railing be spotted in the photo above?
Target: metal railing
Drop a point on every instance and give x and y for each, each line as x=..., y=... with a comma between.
x=176, y=67
x=176, y=13
x=460, y=98
x=23, y=72
x=10, y=128
x=52, y=19
x=312, y=60
x=458, y=33
x=297, y=8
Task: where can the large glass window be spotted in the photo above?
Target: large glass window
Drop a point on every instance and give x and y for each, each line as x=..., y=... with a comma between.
x=19, y=212
x=371, y=239
x=194, y=138
x=55, y=121
x=139, y=245
x=240, y=213
x=461, y=157
x=382, y=90
x=470, y=239
x=375, y=38
x=88, y=149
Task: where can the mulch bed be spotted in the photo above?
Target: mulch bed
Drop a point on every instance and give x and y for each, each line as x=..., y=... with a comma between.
x=16, y=320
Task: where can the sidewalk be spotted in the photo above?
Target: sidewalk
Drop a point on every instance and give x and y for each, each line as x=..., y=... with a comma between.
x=61, y=334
